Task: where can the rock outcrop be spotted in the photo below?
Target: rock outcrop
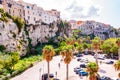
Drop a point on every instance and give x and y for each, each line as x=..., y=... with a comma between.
x=101, y=30
x=12, y=39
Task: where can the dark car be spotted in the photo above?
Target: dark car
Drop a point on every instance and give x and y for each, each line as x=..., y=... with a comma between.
x=78, y=59
x=115, y=57
x=109, y=62
x=105, y=78
x=79, y=55
x=82, y=65
x=82, y=73
x=45, y=76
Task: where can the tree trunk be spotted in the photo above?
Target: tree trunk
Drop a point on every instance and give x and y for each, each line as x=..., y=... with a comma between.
x=48, y=70
x=92, y=77
x=119, y=53
x=67, y=71
x=96, y=57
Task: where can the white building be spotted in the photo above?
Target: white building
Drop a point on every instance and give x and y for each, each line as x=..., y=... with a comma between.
x=48, y=18
x=31, y=13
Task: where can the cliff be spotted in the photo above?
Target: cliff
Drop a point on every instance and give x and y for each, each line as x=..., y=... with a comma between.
x=101, y=30
x=11, y=39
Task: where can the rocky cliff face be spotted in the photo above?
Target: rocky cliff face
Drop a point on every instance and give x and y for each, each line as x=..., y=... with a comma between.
x=101, y=30
x=40, y=32
x=11, y=39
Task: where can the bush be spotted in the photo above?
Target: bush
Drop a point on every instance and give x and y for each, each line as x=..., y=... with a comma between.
x=8, y=60
x=8, y=15
x=2, y=48
x=1, y=10
x=26, y=62
x=19, y=22
x=3, y=17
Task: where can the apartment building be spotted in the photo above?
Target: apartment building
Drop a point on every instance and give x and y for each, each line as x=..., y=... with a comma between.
x=15, y=8
x=73, y=24
x=48, y=17
x=86, y=27
x=31, y=13
x=55, y=13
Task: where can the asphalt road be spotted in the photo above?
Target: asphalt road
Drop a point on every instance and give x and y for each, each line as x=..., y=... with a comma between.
x=35, y=72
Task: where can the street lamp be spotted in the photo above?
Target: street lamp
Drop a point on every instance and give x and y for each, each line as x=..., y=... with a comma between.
x=40, y=73
x=56, y=74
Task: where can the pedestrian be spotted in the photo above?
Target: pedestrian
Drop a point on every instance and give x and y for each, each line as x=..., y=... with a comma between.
x=100, y=62
x=56, y=74
x=59, y=65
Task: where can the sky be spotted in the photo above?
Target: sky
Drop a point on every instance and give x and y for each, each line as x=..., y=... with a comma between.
x=105, y=11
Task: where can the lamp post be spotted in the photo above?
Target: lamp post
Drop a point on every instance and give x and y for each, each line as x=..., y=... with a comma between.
x=56, y=74
x=40, y=73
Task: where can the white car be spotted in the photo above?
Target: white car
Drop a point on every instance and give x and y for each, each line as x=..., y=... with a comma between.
x=114, y=78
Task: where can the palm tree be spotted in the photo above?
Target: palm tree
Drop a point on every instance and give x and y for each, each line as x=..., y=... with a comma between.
x=96, y=42
x=92, y=69
x=117, y=67
x=66, y=53
x=118, y=43
x=70, y=41
x=48, y=53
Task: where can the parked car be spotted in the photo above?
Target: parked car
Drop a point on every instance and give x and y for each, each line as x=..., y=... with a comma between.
x=82, y=73
x=114, y=78
x=100, y=56
x=84, y=60
x=115, y=57
x=79, y=55
x=45, y=76
x=77, y=70
x=82, y=65
x=105, y=78
x=78, y=59
x=109, y=62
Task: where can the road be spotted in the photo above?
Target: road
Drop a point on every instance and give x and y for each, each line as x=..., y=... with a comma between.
x=37, y=70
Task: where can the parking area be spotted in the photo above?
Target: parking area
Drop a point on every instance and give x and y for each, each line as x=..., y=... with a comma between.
x=59, y=72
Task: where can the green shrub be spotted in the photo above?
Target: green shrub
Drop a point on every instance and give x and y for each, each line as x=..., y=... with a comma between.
x=14, y=35
x=19, y=22
x=8, y=60
x=2, y=48
x=3, y=17
x=1, y=10
x=8, y=15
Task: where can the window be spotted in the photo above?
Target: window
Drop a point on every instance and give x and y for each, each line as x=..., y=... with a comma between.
x=1, y=1
x=32, y=8
x=34, y=19
x=9, y=5
x=28, y=12
x=28, y=17
x=20, y=10
x=9, y=11
x=28, y=7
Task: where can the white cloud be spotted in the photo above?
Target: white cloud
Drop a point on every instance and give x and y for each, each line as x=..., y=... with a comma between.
x=77, y=10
